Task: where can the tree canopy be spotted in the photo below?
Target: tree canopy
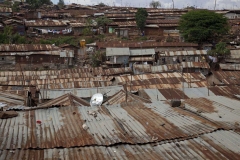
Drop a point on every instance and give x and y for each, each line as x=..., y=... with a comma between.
x=35, y=4
x=61, y=3
x=141, y=17
x=203, y=26
x=102, y=21
x=220, y=50
x=155, y=4
x=7, y=37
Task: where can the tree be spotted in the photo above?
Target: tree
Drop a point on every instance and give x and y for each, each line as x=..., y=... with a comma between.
x=103, y=22
x=203, y=26
x=141, y=17
x=61, y=3
x=101, y=4
x=7, y=37
x=155, y=4
x=35, y=4
x=220, y=50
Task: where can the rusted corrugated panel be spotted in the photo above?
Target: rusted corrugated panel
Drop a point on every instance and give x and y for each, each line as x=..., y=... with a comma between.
x=78, y=24
x=137, y=122
x=25, y=47
x=231, y=67
x=44, y=23
x=163, y=21
x=144, y=44
x=220, y=110
x=139, y=59
x=228, y=77
x=215, y=145
x=5, y=10
x=119, y=15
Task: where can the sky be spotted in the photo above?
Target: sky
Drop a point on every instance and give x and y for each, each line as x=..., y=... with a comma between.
x=208, y=4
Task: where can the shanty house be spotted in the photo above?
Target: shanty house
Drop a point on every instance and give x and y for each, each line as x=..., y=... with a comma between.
x=174, y=57
x=39, y=55
x=77, y=28
x=140, y=56
x=5, y=11
x=48, y=27
x=117, y=56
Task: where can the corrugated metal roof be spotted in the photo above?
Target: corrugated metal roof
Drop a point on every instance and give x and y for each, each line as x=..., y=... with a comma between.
x=77, y=25
x=227, y=77
x=145, y=44
x=25, y=47
x=235, y=54
x=163, y=21
x=218, y=109
x=139, y=52
x=80, y=92
x=131, y=123
x=122, y=97
x=44, y=23
x=141, y=59
x=216, y=145
x=117, y=52
x=232, y=67
x=184, y=53
x=5, y=10
x=177, y=67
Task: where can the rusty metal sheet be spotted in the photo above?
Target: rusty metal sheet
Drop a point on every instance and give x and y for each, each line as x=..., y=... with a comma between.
x=45, y=23
x=130, y=123
x=230, y=67
x=144, y=44
x=216, y=145
x=218, y=109
x=5, y=10
x=25, y=47
x=228, y=77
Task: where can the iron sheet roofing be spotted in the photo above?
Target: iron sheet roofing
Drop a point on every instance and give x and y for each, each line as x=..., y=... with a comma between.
x=231, y=67
x=218, y=109
x=80, y=92
x=216, y=145
x=144, y=44
x=117, y=52
x=5, y=10
x=184, y=53
x=130, y=123
x=25, y=47
x=228, y=77
x=45, y=23
x=139, y=52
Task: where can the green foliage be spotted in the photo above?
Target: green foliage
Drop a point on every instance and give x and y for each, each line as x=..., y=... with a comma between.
x=102, y=4
x=97, y=58
x=15, y=7
x=61, y=3
x=144, y=38
x=103, y=21
x=87, y=31
x=7, y=37
x=202, y=26
x=220, y=50
x=155, y=4
x=35, y=4
x=61, y=40
x=141, y=17
x=89, y=40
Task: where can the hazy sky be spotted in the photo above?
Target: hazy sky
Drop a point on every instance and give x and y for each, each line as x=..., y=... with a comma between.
x=209, y=4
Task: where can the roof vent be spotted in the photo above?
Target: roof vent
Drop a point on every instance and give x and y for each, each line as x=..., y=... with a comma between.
x=176, y=103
